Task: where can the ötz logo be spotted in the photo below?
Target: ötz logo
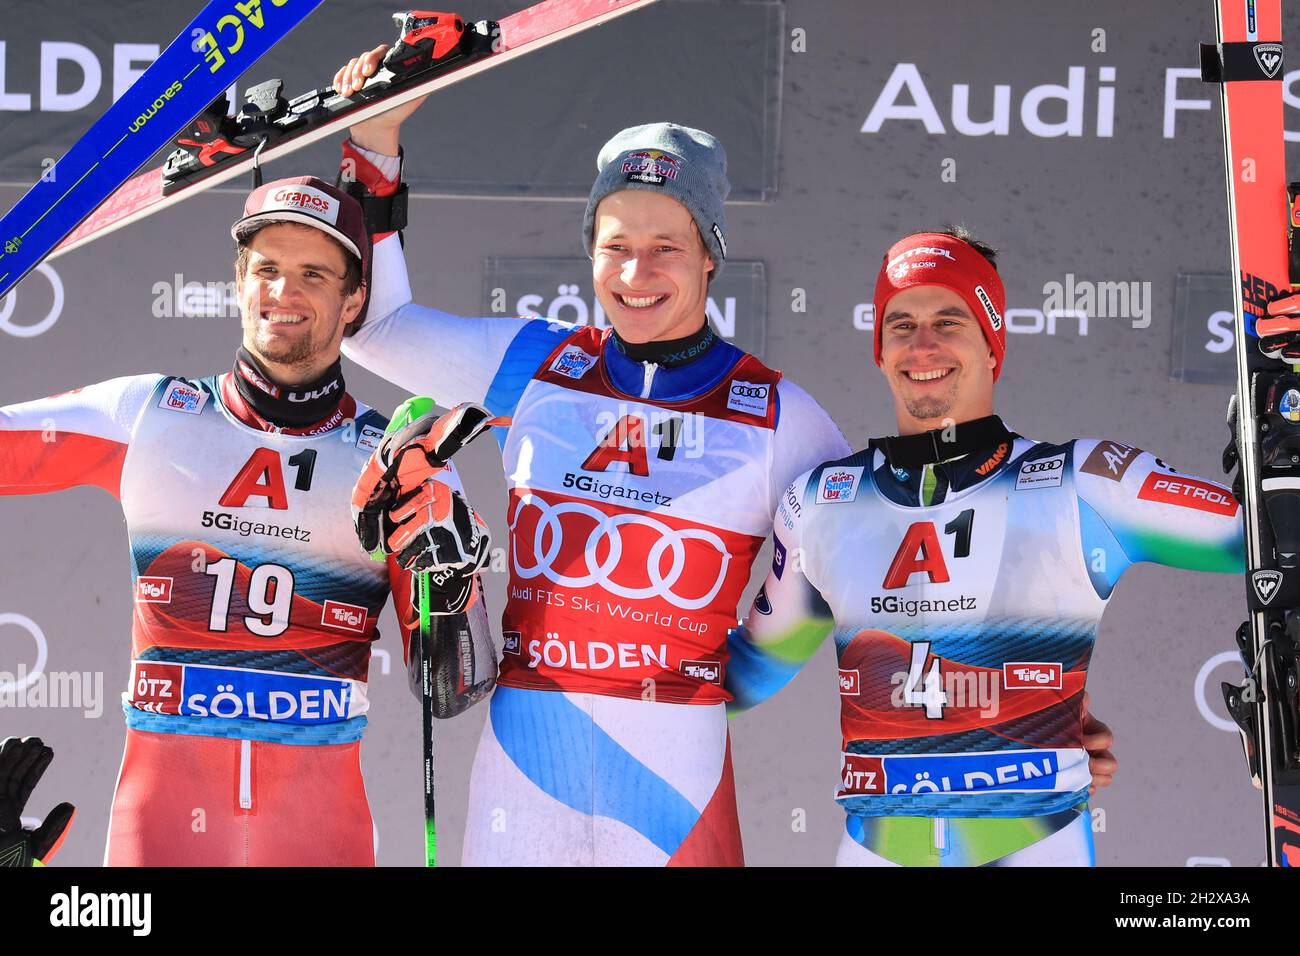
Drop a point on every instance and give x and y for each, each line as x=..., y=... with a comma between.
x=10, y=302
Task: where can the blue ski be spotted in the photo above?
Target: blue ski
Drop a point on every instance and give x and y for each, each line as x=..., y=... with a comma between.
x=218, y=45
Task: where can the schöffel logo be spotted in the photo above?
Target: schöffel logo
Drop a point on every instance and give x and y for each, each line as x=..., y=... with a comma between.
x=573, y=362
x=1188, y=493
x=1031, y=675
x=748, y=397
x=305, y=198
x=151, y=590
x=511, y=643
x=347, y=617
x=850, y=683
x=710, y=671
x=180, y=397
x=839, y=485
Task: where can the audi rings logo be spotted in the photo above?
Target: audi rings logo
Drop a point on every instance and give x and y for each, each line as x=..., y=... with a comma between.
x=1054, y=464
x=8, y=303
x=42, y=651
x=608, y=533
x=749, y=391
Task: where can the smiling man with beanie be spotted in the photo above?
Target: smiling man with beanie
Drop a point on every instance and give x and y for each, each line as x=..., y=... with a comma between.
x=606, y=742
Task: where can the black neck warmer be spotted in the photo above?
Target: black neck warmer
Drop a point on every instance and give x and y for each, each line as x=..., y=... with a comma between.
x=672, y=353
x=284, y=406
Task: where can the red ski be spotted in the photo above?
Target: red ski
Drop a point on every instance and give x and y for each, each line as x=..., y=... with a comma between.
x=1248, y=63
x=442, y=48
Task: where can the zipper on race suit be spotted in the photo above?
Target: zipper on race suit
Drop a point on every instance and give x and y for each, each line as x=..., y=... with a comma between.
x=245, y=775
x=650, y=369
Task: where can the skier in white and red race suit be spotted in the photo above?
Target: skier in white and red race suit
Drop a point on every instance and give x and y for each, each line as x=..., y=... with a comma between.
x=644, y=464
x=966, y=569
x=254, y=605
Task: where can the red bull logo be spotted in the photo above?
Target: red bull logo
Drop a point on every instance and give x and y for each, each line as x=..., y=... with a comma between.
x=651, y=165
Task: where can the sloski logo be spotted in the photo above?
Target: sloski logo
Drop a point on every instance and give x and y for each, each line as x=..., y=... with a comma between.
x=1269, y=58
x=1266, y=584
x=573, y=362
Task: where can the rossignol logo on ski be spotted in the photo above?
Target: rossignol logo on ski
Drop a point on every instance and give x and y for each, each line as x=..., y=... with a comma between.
x=1266, y=584
x=1269, y=58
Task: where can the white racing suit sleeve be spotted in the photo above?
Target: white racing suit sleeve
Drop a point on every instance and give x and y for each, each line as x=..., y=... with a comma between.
x=450, y=358
x=789, y=619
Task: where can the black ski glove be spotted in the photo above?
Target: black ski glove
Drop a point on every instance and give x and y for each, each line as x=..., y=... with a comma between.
x=22, y=761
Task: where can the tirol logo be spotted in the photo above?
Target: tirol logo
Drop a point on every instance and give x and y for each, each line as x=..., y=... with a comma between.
x=850, y=683
x=1031, y=675
x=181, y=397
x=307, y=199
x=710, y=671
x=748, y=397
x=511, y=643
x=1266, y=584
x=839, y=485
x=152, y=590
x=573, y=362
x=995, y=317
x=1269, y=58
x=348, y=617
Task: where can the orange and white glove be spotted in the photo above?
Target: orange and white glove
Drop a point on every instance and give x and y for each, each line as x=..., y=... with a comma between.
x=400, y=505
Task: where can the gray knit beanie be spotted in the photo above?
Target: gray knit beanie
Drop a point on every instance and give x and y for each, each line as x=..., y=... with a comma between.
x=687, y=164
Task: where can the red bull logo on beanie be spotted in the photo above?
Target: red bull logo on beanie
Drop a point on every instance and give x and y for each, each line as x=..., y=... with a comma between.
x=651, y=166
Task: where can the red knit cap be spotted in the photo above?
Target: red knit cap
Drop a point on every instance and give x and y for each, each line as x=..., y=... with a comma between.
x=932, y=258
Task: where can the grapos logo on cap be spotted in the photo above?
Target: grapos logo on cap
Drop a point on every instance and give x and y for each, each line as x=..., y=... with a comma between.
x=304, y=199
x=995, y=318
